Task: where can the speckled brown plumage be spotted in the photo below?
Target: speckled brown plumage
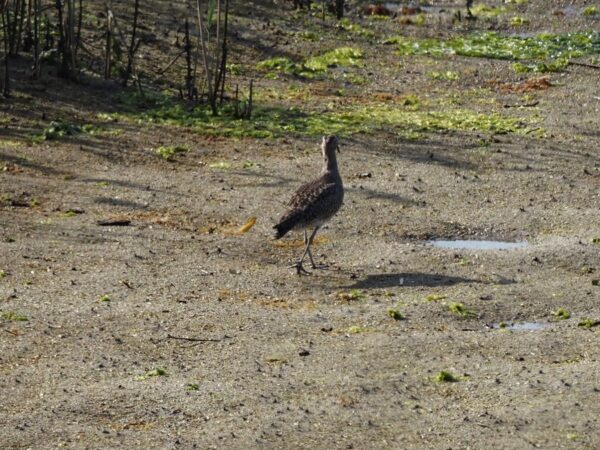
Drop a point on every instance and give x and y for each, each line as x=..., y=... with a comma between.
x=314, y=203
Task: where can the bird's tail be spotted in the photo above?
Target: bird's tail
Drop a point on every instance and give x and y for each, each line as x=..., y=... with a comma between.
x=285, y=225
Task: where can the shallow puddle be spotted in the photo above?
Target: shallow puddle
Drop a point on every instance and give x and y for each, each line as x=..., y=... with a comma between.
x=476, y=245
x=521, y=326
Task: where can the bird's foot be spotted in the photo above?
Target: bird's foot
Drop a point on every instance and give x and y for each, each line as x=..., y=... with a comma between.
x=320, y=266
x=300, y=270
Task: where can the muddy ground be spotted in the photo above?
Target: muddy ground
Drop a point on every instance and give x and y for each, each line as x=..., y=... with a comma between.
x=274, y=360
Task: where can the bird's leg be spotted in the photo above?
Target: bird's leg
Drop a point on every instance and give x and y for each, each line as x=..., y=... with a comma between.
x=314, y=266
x=299, y=267
x=307, y=241
x=312, y=261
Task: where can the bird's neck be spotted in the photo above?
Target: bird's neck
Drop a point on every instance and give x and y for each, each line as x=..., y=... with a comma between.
x=330, y=164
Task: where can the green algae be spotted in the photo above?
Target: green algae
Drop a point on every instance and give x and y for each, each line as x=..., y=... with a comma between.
x=544, y=48
x=405, y=118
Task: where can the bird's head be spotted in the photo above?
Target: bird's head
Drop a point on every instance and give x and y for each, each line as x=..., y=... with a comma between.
x=330, y=145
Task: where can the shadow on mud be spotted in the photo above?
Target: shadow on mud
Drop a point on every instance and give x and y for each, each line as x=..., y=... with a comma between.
x=386, y=280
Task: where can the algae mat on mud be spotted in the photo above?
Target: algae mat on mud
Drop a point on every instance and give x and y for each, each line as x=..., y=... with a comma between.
x=551, y=51
x=405, y=119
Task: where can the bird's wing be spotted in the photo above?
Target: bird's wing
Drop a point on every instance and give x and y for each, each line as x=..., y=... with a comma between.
x=311, y=193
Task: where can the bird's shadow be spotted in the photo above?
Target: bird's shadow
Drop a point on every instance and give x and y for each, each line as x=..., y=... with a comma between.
x=387, y=280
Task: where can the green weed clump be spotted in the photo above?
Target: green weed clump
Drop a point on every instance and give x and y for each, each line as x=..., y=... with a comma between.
x=446, y=376
x=343, y=57
x=57, y=130
x=354, y=294
x=346, y=25
x=591, y=10
x=561, y=314
x=460, y=310
x=518, y=21
x=556, y=65
x=446, y=76
x=279, y=64
x=312, y=67
x=356, y=329
x=588, y=323
x=168, y=152
x=483, y=10
x=158, y=372
x=234, y=69
x=395, y=314
x=9, y=315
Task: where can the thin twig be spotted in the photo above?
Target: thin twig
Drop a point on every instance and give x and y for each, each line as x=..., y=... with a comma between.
x=522, y=105
x=168, y=66
x=170, y=336
x=204, y=55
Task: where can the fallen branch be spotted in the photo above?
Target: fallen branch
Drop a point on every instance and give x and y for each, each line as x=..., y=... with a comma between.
x=533, y=130
x=114, y=223
x=591, y=66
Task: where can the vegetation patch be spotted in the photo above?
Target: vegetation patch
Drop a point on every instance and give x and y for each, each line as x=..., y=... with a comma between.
x=339, y=57
x=10, y=144
x=58, y=129
x=356, y=329
x=313, y=67
x=9, y=315
x=346, y=25
x=375, y=117
x=448, y=75
x=158, y=372
x=543, y=67
x=168, y=152
x=69, y=213
x=588, y=323
x=395, y=314
x=549, y=50
x=446, y=376
x=459, y=309
x=518, y=21
x=483, y=10
x=354, y=294
x=405, y=118
x=561, y=314
x=277, y=65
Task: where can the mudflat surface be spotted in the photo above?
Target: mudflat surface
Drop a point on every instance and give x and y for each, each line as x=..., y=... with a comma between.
x=176, y=331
